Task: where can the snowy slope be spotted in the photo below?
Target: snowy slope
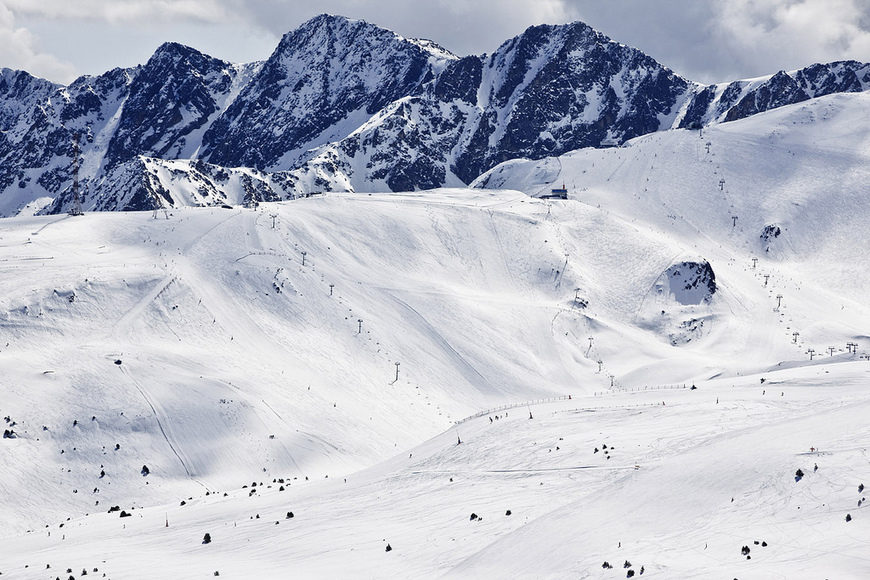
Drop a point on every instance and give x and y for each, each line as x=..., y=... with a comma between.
x=219, y=301
x=793, y=179
x=211, y=348
x=679, y=489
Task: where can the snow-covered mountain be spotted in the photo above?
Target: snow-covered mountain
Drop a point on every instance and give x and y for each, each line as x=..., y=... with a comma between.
x=741, y=99
x=395, y=369
x=548, y=91
x=171, y=101
x=323, y=81
x=343, y=105
x=158, y=109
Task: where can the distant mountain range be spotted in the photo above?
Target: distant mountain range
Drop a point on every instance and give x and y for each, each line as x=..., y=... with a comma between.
x=345, y=105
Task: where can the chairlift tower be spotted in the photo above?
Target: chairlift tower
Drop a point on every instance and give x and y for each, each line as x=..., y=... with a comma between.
x=158, y=205
x=76, y=208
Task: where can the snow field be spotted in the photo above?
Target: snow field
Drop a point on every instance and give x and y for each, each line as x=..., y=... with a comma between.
x=211, y=349
x=664, y=494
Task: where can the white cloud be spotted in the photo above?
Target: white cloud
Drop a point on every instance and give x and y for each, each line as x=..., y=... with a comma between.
x=20, y=50
x=123, y=11
x=789, y=34
x=704, y=40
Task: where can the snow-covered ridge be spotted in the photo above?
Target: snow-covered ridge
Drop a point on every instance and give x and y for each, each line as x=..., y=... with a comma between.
x=739, y=99
x=429, y=118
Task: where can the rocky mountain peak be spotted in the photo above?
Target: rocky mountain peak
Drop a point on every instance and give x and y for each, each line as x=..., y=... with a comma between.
x=173, y=94
x=325, y=79
x=345, y=104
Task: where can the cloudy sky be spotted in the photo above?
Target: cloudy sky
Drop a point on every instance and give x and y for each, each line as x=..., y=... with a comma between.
x=704, y=40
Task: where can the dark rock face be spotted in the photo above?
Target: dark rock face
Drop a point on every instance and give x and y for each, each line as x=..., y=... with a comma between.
x=173, y=95
x=768, y=235
x=459, y=81
x=551, y=90
x=770, y=232
x=37, y=148
x=780, y=90
x=321, y=74
x=837, y=77
x=344, y=104
x=159, y=109
x=742, y=99
x=692, y=282
x=698, y=107
x=25, y=129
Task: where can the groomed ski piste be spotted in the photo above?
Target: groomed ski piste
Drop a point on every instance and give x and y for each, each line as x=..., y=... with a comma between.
x=541, y=419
